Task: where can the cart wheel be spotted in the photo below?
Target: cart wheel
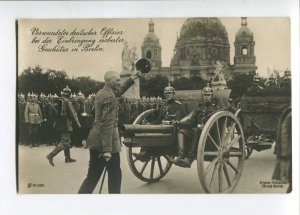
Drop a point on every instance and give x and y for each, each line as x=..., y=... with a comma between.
x=248, y=150
x=152, y=169
x=221, y=153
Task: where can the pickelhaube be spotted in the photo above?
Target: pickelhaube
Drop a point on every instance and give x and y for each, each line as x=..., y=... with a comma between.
x=66, y=92
x=169, y=89
x=42, y=95
x=271, y=77
x=207, y=90
x=80, y=94
x=287, y=74
x=32, y=95
x=21, y=95
x=256, y=78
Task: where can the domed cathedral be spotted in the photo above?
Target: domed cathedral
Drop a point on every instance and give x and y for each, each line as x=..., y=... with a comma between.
x=151, y=47
x=244, y=58
x=202, y=43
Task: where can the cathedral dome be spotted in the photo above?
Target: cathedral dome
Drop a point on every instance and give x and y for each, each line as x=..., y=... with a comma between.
x=203, y=28
x=151, y=36
x=201, y=42
x=244, y=32
x=151, y=47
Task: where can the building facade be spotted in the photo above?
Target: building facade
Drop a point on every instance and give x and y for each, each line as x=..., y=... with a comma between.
x=202, y=42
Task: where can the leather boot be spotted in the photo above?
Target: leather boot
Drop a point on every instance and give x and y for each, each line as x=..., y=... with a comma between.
x=142, y=156
x=68, y=158
x=179, y=161
x=189, y=160
x=52, y=154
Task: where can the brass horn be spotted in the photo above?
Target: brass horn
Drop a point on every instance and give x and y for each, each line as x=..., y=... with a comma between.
x=143, y=65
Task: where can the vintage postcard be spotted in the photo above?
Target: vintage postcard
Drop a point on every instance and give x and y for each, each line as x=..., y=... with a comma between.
x=189, y=105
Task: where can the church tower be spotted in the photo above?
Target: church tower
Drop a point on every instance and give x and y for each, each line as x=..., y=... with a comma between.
x=244, y=58
x=151, y=47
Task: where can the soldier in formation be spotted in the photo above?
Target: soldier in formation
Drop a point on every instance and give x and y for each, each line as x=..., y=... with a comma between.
x=22, y=137
x=33, y=119
x=45, y=133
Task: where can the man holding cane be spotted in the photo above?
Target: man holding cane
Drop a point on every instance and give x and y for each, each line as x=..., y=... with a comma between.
x=103, y=140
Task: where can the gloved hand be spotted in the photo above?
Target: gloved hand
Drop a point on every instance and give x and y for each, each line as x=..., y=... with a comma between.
x=105, y=155
x=136, y=75
x=201, y=126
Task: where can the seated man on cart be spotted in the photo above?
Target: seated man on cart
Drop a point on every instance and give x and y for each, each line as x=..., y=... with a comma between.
x=190, y=129
x=169, y=112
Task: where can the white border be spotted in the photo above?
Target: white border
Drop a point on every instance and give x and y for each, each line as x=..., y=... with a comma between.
x=11, y=203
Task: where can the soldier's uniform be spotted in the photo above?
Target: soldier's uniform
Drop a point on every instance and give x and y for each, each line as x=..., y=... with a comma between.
x=169, y=112
x=33, y=118
x=77, y=133
x=22, y=131
x=63, y=124
x=283, y=150
x=286, y=80
x=88, y=117
x=46, y=130
x=104, y=138
x=190, y=129
x=255, y=89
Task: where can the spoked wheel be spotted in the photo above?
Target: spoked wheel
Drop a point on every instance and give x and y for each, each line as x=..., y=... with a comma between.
x=150, y=170
x=155, y=166
x=221, y=153
x=248, y=149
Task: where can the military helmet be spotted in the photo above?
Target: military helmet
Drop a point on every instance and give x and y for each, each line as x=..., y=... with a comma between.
x=33, y=95
x=169, y=89
x=42, y=95
x=80, y=94
x=287, y=74
x=207, y=90
x=271, y=77
x=66, y=92
x=256, y=78
x=21, y=96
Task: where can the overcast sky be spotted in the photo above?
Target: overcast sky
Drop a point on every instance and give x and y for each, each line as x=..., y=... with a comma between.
x=271, y=35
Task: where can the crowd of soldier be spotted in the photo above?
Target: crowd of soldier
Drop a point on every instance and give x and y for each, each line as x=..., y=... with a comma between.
x=36, y=116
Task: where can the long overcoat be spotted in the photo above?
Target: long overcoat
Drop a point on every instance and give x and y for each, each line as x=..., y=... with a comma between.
x=104, y=135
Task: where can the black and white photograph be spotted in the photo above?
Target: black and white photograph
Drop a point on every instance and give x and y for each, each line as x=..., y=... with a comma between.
x=145, y=102
x=150, y=107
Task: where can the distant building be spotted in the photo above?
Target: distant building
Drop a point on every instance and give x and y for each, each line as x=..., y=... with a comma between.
x=201, y=43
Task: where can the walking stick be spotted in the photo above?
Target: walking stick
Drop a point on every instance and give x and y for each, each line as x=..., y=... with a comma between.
x=105, y=170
